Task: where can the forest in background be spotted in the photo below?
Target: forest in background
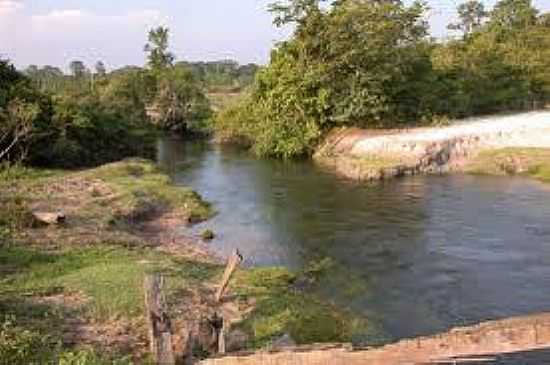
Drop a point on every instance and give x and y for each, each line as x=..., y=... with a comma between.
x=91, y=116
x=354, y=63
x=373, y=64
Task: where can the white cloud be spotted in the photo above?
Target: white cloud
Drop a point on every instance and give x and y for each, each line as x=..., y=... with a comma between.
x=8, y=7
x=61, y=35
x=82, y=21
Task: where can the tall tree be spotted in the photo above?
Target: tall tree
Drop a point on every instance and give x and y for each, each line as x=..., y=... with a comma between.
x=78, y=69
x=100, y=68
x=471, y=15
x=157, y=49
x=513, y=15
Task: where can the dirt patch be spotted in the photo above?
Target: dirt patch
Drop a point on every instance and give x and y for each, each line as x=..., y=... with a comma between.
x=115, y=336
x=165, y=232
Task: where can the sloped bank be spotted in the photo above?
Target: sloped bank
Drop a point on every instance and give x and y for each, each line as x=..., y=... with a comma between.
x=72, y=290
x=374, y=155
x=518, y=340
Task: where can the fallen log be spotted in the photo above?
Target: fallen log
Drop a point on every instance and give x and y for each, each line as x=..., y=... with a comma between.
x=232, y=263
x=160, y=328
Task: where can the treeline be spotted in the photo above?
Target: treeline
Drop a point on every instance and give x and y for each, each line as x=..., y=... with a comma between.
x=223, y=76
x=373, y=64
x=91, y=117
x=213, y=76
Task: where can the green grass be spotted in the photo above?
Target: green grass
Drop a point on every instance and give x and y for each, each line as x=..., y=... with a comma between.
x=140, y=183
x=106, y=283
x=103, y=279
x=110, y=279
x=13, y=173
x=281, y=309
x=534, y=162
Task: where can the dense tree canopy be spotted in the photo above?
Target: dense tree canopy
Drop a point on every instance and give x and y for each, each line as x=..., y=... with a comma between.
x=87, y=118
x=372, y=64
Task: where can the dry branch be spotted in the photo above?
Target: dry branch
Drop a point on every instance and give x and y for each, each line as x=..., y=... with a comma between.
x=232, y=263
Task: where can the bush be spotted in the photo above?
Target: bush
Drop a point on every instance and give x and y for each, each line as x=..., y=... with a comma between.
x=22, y=346
x=84, y=132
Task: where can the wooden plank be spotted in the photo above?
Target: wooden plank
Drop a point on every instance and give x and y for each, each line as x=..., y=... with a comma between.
x=232, y=263
x=160, y=329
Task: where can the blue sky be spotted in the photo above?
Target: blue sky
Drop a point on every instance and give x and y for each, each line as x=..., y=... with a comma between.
x=58, y=31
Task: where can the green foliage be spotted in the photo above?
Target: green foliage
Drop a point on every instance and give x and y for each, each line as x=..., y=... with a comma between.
x=78, y=69
x=22, y=346
x=109, y=280
x=139, y=182
x=89, y=357
x=370, y=64
x=282, y=310
x=471, y=15
x=72, y=129
x=157, y=49
x=222, y=76
x=23, y=110
x=179, y=103
x=346, y=65
x=86, y=132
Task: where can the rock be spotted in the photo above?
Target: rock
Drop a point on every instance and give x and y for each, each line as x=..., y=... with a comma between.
x=283, y=341
x=236, y=340
x=50, y=218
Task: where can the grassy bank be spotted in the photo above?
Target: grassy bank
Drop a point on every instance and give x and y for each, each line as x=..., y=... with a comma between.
x=72, y=293
x=69, y=292
x=533, y=162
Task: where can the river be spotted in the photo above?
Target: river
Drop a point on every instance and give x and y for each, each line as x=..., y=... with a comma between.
x=415, y=256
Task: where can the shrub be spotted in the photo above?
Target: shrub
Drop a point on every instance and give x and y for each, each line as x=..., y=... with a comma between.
x=22, y=346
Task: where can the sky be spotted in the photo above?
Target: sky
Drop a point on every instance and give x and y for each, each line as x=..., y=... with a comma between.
x=54, y=32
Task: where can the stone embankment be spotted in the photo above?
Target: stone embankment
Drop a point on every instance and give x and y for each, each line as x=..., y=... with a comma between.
x=373, y=155
x=519, y=340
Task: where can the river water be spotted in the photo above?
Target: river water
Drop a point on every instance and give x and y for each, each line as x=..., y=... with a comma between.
x=415, y=256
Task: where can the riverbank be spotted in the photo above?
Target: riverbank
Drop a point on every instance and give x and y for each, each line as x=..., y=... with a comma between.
x=518, y=340
x=73, y=290
x=375, y=155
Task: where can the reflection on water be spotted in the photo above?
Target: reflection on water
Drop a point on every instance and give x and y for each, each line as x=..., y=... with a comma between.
x=416, y=255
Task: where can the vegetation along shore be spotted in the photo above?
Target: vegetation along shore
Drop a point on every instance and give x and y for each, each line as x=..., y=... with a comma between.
x=359, y=86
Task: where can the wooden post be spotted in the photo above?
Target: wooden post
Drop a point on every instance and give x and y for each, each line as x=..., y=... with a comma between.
x=160, y=329
x=232, y=263
x=221, y=339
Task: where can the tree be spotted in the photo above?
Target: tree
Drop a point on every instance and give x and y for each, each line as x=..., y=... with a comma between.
x=359, y=62
x=100, y=69
x=471, y=15
x=179, y=104
x=24, y=112
x=31, y=71
x=16, y=128
x=294, y=11
x=157, y=49
x=512, y=15
x=78, y=69
x=544, y=20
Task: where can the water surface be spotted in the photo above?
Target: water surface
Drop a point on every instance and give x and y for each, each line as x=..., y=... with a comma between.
x=415, y=256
